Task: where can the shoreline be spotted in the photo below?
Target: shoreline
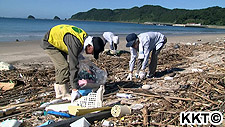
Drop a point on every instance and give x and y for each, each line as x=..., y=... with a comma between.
x=30, y=52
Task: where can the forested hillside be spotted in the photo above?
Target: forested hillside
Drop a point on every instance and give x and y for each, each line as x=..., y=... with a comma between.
x=149, y=13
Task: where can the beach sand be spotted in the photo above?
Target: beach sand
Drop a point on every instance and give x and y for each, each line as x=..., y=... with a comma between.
x=22, y=53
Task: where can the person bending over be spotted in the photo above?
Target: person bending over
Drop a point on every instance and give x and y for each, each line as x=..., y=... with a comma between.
x=144, y=43
x=68, y=40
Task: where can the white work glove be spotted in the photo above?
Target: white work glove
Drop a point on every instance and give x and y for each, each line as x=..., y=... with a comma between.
x=129, y=77
x=142, y=74
x=75, y=95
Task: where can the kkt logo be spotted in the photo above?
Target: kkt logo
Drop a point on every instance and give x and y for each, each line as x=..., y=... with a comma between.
x=201, y=118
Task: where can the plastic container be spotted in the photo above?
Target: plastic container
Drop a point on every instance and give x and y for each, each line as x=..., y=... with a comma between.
x=92, y=100
x=120, y=110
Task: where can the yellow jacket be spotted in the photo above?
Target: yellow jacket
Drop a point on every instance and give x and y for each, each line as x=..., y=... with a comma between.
x=58, y=32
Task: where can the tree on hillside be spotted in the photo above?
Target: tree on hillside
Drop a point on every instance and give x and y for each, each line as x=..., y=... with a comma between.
x=149, y=13
x=31, y=17
x=56, y=18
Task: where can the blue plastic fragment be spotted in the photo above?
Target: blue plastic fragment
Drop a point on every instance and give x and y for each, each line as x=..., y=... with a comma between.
x=47, y=123
x=60, y=114
x=85, y=92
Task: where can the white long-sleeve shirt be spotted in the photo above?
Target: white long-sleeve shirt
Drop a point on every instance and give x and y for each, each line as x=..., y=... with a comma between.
x=111, y=38
x=147, y=42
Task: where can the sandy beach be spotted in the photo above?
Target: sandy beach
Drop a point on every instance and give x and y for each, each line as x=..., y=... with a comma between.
x=20, y=53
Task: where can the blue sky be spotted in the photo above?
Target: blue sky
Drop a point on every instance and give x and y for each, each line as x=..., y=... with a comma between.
x=66, y=8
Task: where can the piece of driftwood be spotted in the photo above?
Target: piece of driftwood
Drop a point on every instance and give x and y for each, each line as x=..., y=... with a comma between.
x=159, y=96
x=6, y=86
x=205, y=98
x=17, y=105
x=145, y=117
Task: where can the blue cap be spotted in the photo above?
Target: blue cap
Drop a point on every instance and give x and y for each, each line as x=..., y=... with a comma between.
x=131, y=38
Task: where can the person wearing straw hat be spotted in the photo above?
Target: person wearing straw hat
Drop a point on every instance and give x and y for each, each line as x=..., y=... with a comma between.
x=144, y=43
x=68, y=40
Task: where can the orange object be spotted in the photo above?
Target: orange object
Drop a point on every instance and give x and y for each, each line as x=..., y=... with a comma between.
x=6, y=86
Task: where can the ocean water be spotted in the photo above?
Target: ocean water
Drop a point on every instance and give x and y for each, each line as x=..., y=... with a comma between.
x=12, y=29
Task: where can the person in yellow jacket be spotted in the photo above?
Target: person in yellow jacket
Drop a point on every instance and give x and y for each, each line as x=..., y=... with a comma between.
x=68, y=40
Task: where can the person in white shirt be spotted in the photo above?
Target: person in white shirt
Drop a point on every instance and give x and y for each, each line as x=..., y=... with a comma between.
x=144, y=43
x=112, y=39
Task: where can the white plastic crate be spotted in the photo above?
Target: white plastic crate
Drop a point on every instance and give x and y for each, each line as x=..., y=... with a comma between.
x=92, y=100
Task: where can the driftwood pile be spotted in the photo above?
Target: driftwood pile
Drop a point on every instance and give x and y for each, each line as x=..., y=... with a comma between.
x=187, y=89
x=201, y=90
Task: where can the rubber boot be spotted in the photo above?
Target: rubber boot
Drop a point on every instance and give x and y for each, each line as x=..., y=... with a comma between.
x=64, y=89
x=58, y=93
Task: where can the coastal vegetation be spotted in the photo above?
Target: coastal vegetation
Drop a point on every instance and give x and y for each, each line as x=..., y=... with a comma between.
x=31, y=17
x=149, y=13
x=56, y=18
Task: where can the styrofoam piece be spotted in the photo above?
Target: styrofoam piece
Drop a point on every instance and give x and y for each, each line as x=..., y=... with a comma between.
x=58, y=107
x=168, y=78
x=146, y=87
x=82, y=122
x=107, y=123
x=197, y=70
x=5, y=66
x=120, y=110
x=137, y=106
x=124, y=95
x=10, y=123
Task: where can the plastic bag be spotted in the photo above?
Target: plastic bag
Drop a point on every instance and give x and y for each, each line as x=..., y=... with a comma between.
x=91, y=74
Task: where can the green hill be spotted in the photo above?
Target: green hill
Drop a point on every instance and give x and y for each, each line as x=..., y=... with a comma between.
x=149, y=13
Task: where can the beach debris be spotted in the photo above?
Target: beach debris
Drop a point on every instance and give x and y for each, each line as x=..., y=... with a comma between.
x=197, y=70
x=38, y=113
x=176, y=46
x=1, y=113
x=6, y=85
x=146, y=87
x=5, y=66
x=168, y=78
x=124, y=95
x=59, y=114
x=58, y=107
x=120, y=110
x=82, y=122
x=137, y=106
x=145, y=116
x=107, y=123
x=11, y=123
x=9, y=111
x=47, y=123
x=20, y=100
x=78, y=111
x=189, y=43
x=92, y=100
x=55, y=101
